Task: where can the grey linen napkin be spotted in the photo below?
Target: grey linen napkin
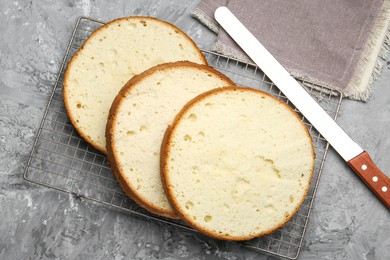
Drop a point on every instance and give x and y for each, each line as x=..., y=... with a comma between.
x=334, y=43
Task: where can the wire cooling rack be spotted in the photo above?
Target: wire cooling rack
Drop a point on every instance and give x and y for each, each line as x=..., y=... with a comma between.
x=62, y=160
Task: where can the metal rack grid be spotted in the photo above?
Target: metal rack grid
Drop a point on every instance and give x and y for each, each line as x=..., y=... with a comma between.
x=62, y=160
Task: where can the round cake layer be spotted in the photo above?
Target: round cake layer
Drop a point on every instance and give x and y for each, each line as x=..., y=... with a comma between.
x=138, y=119
x=237, y=163
x=109, y=58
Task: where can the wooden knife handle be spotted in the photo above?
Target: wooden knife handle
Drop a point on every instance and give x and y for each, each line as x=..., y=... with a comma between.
x=378, y=182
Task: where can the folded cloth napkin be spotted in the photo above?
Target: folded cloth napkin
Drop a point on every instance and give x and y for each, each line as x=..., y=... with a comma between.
x=338, y=44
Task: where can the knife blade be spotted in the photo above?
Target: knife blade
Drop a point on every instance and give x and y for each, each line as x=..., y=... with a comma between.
x=350, y=151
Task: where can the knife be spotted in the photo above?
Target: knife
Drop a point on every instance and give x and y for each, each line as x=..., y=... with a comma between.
x=351, y=152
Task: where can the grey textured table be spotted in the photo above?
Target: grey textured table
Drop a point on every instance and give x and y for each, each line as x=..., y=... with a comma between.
x=347, y=221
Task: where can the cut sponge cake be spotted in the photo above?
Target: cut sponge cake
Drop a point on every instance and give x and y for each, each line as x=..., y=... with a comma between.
x=236, y=163
x=139, y=116
x=109, y=58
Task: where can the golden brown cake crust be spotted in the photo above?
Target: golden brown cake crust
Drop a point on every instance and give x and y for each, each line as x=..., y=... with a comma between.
x=165, y=150
x=78, y=53
x=132, y=83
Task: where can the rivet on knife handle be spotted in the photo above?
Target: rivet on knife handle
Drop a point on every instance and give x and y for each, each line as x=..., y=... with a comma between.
x=378, y=182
